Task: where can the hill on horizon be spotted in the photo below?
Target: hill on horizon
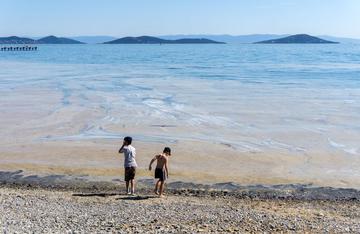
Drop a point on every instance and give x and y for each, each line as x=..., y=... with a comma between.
x=156, y=40
x=57, y=40
x=297, y=39
x=16, y=40
x=44, y=40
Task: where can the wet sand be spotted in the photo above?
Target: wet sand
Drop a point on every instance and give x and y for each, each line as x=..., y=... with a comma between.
x=196, y=162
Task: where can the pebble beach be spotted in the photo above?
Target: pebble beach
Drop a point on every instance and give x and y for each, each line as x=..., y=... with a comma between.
x=29, y=209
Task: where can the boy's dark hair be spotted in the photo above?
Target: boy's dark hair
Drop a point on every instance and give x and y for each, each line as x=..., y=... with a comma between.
x=128, y=140
x=167, y=150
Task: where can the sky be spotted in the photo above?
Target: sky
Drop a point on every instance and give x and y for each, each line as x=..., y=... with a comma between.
x=168, y=17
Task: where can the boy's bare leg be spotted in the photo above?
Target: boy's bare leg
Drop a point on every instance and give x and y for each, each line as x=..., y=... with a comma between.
x=157, y=187
x=161, y=188
x=132, y=182
x=127, y=186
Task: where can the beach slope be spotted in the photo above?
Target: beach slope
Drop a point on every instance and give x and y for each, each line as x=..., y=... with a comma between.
x=55, y=211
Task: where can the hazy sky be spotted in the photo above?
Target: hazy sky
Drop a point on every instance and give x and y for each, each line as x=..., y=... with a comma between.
x=160, y=17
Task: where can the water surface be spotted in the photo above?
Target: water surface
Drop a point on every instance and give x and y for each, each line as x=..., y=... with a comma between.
x=297, y=106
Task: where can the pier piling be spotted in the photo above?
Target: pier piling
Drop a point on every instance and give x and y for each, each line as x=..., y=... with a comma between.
x=18, y=48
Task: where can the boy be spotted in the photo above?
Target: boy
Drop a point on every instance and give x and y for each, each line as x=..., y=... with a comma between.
x=129, y=164
x=161, y=171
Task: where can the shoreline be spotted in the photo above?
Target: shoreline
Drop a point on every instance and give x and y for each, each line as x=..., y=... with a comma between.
x=87, y=185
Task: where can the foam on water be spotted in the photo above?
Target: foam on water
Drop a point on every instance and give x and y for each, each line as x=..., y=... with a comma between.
x=353, y=151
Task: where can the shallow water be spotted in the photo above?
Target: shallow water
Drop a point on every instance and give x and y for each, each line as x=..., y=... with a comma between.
x=293, y=100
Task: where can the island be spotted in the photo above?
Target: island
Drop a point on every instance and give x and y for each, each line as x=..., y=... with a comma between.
x=57, y=40
x=46, y=40
x=155, y=40
x=297, y=39
x=16, y=40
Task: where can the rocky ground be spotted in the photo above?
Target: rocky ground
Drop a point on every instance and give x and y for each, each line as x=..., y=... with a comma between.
x=36, y=210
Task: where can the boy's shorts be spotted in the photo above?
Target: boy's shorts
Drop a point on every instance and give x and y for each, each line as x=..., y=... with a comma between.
x=130, y=173
x=160, y=174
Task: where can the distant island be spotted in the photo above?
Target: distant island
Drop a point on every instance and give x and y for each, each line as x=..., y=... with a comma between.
x=155, y=40
x=297, y=39
x=45, y=40
x=57, y=40
x=16, y=40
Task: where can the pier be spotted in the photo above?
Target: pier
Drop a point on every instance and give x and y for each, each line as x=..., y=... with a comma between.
x=18, y=48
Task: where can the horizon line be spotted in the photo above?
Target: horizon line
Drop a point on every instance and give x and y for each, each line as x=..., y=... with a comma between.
x=199, y=34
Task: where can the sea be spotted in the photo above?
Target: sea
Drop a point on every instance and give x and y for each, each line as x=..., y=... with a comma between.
x=255, y=99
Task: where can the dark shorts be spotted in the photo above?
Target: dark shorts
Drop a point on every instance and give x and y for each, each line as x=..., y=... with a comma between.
x=160, y=174
x=130, y=173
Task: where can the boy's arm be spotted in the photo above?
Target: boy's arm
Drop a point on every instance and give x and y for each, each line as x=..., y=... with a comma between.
x=151, y=162
x=166, y=168
x=121, y=150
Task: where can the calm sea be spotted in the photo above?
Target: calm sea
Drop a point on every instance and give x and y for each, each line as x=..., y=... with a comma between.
x=295, y=99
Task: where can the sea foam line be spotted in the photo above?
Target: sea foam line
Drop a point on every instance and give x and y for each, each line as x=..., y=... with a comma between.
x=353, y=151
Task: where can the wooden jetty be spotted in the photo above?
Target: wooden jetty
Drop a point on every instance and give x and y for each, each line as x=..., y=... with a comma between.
x=18, y=48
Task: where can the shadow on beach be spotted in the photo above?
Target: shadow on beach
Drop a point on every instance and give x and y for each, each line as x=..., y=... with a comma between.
x=136, y=198
x=95, y=194
x=131, y=198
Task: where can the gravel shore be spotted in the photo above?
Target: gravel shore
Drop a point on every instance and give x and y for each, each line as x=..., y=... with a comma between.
x=53, y=211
